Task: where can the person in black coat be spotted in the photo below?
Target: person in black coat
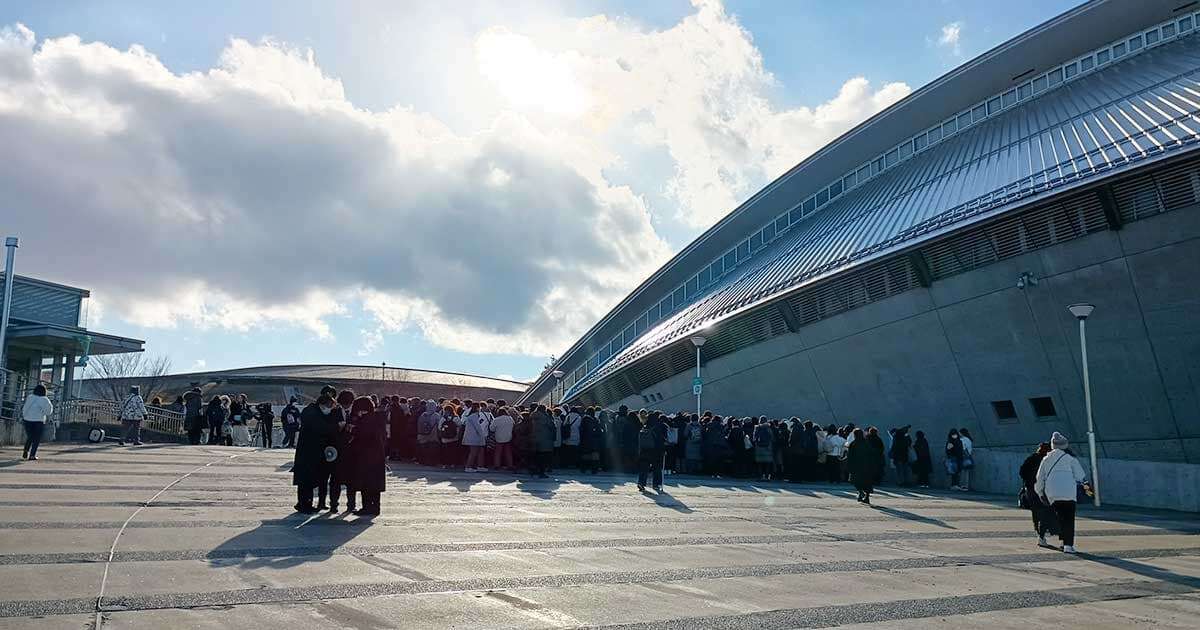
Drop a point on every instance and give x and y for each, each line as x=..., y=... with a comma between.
x=591, y=441
x=368, y=453
x=318, y=423
x=899, y=455
x=215, y=414
x=651, y=442
x=864, y=459
x=923, y=465
x=344, y=467
x=1037, y=509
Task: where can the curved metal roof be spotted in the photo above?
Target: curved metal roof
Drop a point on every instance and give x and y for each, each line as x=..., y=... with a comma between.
x=367, y=373
x=1112, y=112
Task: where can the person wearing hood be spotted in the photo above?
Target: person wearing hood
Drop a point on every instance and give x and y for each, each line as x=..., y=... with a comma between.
x=427, y=438
x=35, y=413
x=318, y=423
x=954, y=458
x=1058, y=476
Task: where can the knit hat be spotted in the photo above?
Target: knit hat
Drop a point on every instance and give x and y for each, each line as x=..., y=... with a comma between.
x=1058, y=440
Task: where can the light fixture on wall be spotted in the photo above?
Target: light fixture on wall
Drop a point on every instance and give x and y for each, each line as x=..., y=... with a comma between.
x=1026, y=279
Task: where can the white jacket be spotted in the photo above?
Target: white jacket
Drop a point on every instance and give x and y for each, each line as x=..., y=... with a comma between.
x=575, y=421
x=1057, y=476
x=36, y=409
x=476, y=427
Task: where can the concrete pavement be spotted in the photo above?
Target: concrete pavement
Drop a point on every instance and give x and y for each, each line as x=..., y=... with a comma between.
x=205, y=537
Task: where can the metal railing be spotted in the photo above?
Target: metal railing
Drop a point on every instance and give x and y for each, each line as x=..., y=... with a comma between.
x=12, y=394
x=87, y=411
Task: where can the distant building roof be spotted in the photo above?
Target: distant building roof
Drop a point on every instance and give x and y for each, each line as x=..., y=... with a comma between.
x=362, y=373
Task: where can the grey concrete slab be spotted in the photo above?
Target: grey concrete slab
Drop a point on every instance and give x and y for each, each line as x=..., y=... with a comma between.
x=454, y=550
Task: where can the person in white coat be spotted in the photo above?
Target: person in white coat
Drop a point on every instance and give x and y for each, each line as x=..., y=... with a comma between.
x=476, y=426
x=133, y=412
x=1057, y=478
x=35, y=414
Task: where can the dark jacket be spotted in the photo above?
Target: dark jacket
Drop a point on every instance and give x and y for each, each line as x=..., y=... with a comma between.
x=1029, y=470
x=290, y=417
x=193, y=404
x=657, y=438
x=900, y=444
x=316, y=432
x=368, y=452
x=924, y=463
x=591, y=434
x=714, y=446
x=215, y=414
x=864, y=460
x=543, y=430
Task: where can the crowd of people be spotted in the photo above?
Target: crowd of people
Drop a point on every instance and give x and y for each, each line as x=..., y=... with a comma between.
x=343, y=441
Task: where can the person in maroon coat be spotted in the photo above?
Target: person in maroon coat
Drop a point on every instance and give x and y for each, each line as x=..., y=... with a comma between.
x=368, y=453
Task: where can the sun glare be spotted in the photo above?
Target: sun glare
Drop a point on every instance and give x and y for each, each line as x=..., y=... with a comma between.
x=528, y=77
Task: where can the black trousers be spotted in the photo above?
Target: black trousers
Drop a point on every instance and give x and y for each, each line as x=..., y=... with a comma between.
x=33, y=437
x=266, y=428
x=289, y=437
x=304, y=497
x=540, y=463
x=1065, y=510
x=195, y=425
x=651, y=465
x=370, y=502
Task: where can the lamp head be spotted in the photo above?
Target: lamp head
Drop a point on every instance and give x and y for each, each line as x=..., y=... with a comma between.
x=698, y=341
x=557, y=374
x=1081, y=311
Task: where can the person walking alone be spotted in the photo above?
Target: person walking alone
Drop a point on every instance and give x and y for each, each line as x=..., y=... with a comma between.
x=1057, y=478
x=133, y=412
x=35, y=413
x=864, y=459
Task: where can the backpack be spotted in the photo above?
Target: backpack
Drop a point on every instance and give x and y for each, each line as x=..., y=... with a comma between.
x=764, y=435
x=426, y=424
x=646, y=439
x=449, y=430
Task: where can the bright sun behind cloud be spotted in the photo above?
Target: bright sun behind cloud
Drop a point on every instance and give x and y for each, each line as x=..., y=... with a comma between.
x=528, y=77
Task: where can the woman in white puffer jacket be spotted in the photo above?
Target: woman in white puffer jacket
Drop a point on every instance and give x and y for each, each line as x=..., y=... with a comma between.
x=1057, y=478
x=35, y=414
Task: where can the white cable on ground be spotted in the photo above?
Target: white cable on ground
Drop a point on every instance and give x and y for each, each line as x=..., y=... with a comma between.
x=112, y=551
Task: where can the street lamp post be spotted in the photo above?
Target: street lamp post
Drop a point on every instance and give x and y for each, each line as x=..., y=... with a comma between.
x=698, y=386
x=557, y=374
x=11, y=244
x=1081, y=313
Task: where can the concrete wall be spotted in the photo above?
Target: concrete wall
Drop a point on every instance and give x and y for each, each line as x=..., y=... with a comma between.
x=1164, y=485
x=938, y=357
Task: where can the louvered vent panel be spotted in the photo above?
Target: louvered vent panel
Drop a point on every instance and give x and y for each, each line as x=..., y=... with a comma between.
x=1137, y=198
x=1178, y=186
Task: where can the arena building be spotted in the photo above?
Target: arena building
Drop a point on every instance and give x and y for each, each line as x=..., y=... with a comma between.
x=277, y=383
x=918, y=269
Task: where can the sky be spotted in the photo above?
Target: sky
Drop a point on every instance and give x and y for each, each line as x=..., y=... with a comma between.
x=273, y=182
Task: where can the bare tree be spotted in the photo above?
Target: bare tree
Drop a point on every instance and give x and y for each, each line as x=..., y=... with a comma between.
x=111, y=375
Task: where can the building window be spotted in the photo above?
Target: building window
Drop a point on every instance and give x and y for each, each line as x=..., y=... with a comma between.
x=1071, y=70
x=768, y=233
x=1024, y=91
x=678, y=298
x=1118, y=50
x=744, y=250
x=877, y=166
x=993, y=105
x=919, y=142
x=1151, y=37
x=1168, y=30
x=1039, y=84
x=1103, y=56
x=835, y=189
x=978, y=114
x=864, y=174
x=1005, y=411
x=1010, y=97
x=848, y=182
x=822, y=197
x=756, y=242
x=1185, y=24
x=1043, y=407
x=905, y=152
x=1086, y=64
x=730, y=259
x=964, y=121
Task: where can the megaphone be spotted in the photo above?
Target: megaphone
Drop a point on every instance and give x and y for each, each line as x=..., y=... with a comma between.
x=331, y=453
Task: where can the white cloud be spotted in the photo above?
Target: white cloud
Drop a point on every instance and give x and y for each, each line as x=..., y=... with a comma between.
x=255, y=194
x=198, y=365
x=950, y=37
